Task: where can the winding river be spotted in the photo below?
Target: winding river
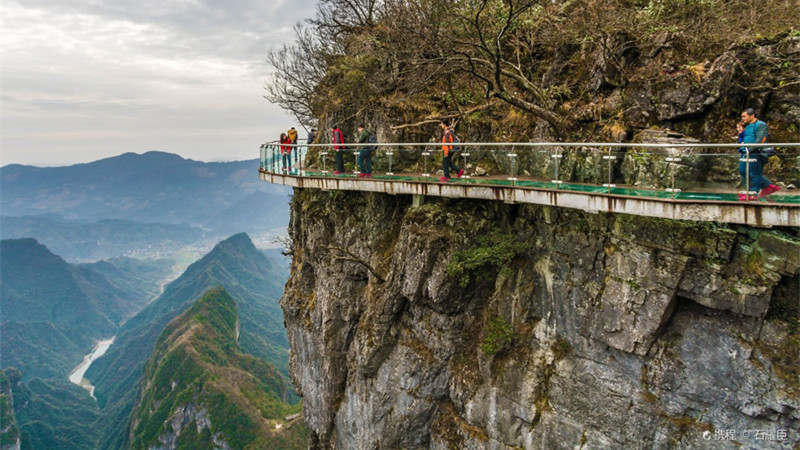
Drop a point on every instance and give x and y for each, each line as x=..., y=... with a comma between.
x=76, y=376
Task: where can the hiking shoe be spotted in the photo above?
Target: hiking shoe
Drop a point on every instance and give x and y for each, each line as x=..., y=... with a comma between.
x=460, y=172
x=369, y=175
x=742, y=197
x=336, y=172
x=362, y=175
x=771, y=189
x=444, y=179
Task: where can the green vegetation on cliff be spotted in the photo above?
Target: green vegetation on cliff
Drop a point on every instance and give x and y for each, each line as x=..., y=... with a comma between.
x=198, y=388
x=512, y=70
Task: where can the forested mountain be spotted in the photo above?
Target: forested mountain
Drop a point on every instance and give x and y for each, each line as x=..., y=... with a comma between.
x=200, y=391
x=235, y=264
x=52, y=311
x=154, y=187
x=53, y=413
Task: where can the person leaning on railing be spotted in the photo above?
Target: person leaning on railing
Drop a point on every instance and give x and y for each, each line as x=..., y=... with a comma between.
x=338, y=138
x=755, y=132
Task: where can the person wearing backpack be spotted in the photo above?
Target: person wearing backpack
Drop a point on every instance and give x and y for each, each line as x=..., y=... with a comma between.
x=448, y=137
x=365, y=152
x=337, y=138
x=755, y=132
x=292, y=134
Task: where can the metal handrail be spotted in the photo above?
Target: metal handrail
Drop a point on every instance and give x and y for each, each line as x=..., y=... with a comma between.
x=543, y=144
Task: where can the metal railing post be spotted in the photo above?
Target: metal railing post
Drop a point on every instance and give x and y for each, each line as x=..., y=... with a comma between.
x=324, y=156
x=425, y=154
x=747, y=161
x=672, y=160
x=513, y=177
x=609, y=157
x=390, y=153
x=465, y=156
x=557, y=158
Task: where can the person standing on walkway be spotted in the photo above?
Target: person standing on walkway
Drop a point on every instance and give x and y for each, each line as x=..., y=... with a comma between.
x=365, y=152
x=292, y=133
x=755, y=132
x=337, y=138
x=447, y=161
x=286, y=153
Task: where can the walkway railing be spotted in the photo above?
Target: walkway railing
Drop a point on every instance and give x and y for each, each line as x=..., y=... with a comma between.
x=666, y=171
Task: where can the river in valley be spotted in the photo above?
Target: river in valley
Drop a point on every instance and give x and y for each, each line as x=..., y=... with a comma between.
x=76, y=376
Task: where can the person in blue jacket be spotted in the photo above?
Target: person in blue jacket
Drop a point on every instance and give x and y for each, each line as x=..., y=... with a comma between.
x=755, y=132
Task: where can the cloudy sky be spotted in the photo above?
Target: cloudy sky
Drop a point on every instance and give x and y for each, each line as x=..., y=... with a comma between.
x=88, y=79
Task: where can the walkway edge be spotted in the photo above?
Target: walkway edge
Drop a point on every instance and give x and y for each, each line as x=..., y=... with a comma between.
x=756, y=215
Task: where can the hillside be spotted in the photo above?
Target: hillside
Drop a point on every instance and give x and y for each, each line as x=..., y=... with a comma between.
x=9, y=433
x=52, y=310
x=234, y=264
x=200, y=391
x=154, y=187
x=53, y=414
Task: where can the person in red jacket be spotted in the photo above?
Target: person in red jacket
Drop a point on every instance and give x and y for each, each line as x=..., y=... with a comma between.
x=286, y=152
x=338, y=138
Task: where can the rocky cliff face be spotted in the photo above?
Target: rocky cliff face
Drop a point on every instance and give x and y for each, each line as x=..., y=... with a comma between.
x=473, y=324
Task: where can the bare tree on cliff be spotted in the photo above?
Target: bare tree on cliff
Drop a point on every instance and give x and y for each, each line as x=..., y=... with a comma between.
x=492, y=43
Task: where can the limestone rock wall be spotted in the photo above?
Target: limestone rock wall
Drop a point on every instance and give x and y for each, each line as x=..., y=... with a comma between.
x=574, y=330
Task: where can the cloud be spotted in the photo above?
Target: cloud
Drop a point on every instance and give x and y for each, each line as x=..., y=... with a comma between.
x=184, y=76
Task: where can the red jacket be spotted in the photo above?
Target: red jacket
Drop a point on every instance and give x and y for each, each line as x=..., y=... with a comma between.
x=337, y=138
x=285, y=149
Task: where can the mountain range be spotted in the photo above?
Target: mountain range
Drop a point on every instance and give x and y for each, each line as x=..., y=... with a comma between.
x=222, y=198
x=103, y=219
x=246, y=274
x=51, y=310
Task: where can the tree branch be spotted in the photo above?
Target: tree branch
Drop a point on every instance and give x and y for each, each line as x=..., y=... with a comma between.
x=353, y=258
x=434, y=119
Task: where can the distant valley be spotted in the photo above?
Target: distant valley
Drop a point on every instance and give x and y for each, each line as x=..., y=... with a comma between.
x=121, y=247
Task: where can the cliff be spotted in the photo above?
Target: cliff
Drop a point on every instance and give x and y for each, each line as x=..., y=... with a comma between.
x=200, y=391
x=475, y=324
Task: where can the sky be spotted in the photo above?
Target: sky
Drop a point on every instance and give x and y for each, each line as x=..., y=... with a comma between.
x=89, y=79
